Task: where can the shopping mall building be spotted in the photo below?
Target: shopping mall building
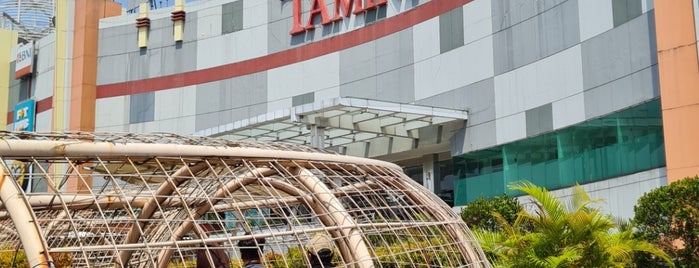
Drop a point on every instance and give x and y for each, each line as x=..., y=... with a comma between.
x=467, y=96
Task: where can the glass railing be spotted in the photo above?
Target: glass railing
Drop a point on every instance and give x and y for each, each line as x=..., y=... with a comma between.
x=622, y=143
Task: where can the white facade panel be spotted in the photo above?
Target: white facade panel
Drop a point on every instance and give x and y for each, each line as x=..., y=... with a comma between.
x=457, y=68
x=620, y=205
x=276, y=105
x=211, y=52
x=46, y=58
x=478, y=21
x=209, y=22
x=545, y=81
x=312, y=75
x=43, y=85
x=249, y=43
x=426, y=40
x=595, y=18
x=479, y=136
x=328, y=93
x=145, y=127
x=568, y=111
x=175, y=103
x=511, y=128
x=231, y=48
x=179, y=125
x=111, y=112
x=255, y=14
x=42, y=121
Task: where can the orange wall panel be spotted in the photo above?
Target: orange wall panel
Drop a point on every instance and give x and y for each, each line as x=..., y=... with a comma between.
x=679, y=80
x=84, y=70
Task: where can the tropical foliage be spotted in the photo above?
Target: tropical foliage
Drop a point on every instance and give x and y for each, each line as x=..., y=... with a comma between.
x=577, y=235
x=669, y=217
x=479, y=213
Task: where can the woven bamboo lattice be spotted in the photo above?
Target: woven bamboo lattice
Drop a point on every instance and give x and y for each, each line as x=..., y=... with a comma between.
x=155, y=200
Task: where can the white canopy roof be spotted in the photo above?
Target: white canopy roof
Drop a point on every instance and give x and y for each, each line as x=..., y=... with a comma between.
x=343, y=121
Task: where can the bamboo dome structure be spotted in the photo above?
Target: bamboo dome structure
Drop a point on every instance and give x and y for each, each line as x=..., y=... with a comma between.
x=154, y=200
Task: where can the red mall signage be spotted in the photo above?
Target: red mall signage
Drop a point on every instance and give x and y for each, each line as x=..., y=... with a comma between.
x=342, y=10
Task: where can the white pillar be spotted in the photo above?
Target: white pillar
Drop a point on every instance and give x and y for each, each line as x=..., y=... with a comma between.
x=428, y=172
x=317, y=136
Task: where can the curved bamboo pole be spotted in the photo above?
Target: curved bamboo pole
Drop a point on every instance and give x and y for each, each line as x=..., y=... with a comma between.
x=354, y=248
x=46, y=148
x=242, y=179
x=29, y=232
x=160, y=195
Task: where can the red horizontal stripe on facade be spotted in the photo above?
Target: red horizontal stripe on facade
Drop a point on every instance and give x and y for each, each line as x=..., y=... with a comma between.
x=41, y=106
x=337, y=43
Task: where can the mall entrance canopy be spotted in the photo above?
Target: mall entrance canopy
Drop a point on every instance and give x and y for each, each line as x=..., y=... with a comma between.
x=146, y=200
x=343, y=122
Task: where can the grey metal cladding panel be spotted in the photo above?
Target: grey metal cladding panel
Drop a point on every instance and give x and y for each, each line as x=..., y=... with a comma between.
x=303, y=99
x=11, y=74
x=473, y=137
x=238, y=16
x=244, y=90
x=619, y=52
x=397, y=85
x=451, y=30
x=478, y=98
x=155, y=58
x=445, y=36
x=394, y=51
x=113, y=40
x=625, y=10
x=190, y=28
x=363, y=88
x=280, y=10
x=13, y=97
x=208, y=120
x=112, y=69
x=159, y=32
x=506, y=13
x=622, y=93
x=208, y=97
x=559, y=28
x=207, y=105
x=278, y=34
x=358, y=62
x=245, y=112
x=142, y=107
x=181, y=57
x=521, y=46
x=138, y=65
x=539, y=120
x=552, y=31
x=232, y=17
x=457, y=27
x=502, y=52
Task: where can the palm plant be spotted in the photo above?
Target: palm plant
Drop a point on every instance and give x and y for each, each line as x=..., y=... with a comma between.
x=556, y=235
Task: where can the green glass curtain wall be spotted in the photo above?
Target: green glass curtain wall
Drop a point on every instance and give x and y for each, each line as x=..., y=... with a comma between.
x=622, y=143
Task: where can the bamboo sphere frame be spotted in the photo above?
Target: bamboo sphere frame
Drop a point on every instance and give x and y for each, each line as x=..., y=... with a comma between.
x=142, y=200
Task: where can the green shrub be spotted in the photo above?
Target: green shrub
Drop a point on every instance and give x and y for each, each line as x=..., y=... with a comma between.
x=480, y=214
x=668, y=217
